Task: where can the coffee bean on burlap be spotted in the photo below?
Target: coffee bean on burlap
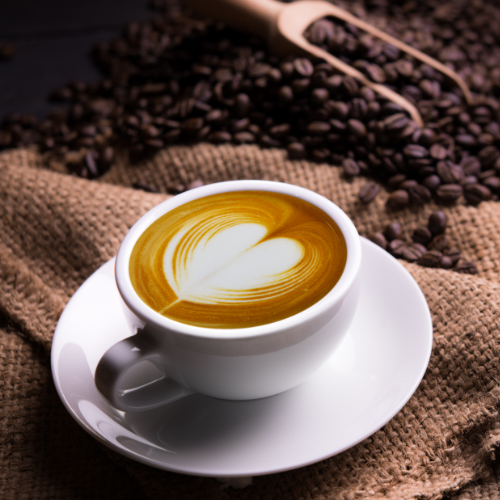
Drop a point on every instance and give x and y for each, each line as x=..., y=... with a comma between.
x=410, y=254
x=437, y=222
x=422, y=235
x=446, y=262
x=466, y=267
x=476, y=193
x=368, y=192
x=438, y=152
x=296, y=150
x=398, y=199
x=419, y=194
x=393, y=231
x=439, y=242
x=432, y=258
x=351, y=168
x=449, y=192
x=453, y=254
x=431, y=182
x=492, y=183
x=419, y=248
x=396, y=247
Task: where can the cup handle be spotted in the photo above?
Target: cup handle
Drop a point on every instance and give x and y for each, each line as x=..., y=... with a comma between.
x=119, y=359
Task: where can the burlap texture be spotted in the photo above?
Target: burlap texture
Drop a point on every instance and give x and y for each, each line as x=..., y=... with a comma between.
x=56, y=230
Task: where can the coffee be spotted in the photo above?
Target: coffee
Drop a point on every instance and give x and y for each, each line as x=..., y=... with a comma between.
x=238, y=259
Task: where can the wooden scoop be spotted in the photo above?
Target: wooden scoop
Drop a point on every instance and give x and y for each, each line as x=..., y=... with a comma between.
x=283, y=25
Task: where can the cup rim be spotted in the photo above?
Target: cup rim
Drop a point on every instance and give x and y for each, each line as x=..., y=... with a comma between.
x=151, y=317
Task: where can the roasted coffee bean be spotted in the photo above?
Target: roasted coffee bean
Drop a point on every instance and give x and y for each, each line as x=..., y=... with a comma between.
x=419, y=248
x=285, y=94
x=437, y=222
x=244, y=137
x=395, y=181
x=172, y=136
x=415, y=151
x=485, y=174
x=419, y=194
x=476, y=193
x=422, y=235
x=492, y=183
x=453, y=254
x=296, y=150
x=368, y=192
x=438, y=152
x=410, y=254
x=107, y=157
x=220, y=137
x=319, y=96
x=351, y=168
x=375, y=73
x=303, y=67
x=395, y=122
x=449, y=192
x=449, y=172
x=470, y=165
x=393, y=231
x=212, y=116
x=396, y=247
x=446, y=262
x=432, y=258
x=439, y=242
x=379, y=239
x=398, y=199
x=267, y=141
x=279, y=131
x=356, y=128
x=242, y=104
x=350, y=85
x=338, y=110
x=488, y=156
x=431, y=182
x=190, y=126
x=404, y=67
x=466, y=267
x=153, y=145
x=318, y=128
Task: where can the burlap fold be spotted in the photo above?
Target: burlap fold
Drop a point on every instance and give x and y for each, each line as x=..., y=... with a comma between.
x=56, y=230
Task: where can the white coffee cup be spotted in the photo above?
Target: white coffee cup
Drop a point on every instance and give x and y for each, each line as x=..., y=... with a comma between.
x=234, y=364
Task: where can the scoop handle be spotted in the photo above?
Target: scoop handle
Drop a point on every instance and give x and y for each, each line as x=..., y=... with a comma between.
x=256, y=17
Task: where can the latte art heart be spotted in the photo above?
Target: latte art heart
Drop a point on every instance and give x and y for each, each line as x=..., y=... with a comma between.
x=238, y=259
x=209, y=263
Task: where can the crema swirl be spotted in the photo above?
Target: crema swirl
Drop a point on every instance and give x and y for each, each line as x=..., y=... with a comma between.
x=238, y=259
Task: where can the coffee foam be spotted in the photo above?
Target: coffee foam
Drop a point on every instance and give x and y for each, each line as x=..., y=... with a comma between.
x=238, y=259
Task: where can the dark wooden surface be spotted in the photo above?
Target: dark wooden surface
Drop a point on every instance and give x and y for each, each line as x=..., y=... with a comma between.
x=53, y=40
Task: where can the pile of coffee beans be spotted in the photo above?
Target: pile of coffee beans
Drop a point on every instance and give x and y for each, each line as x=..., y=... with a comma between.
x=183, y=79
x=456, y=155
x=430, y=247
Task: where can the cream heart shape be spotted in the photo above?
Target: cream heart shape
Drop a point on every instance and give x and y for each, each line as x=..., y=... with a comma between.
x=229, y=266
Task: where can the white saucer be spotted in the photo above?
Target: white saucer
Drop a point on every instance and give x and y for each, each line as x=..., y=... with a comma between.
x=366, y=382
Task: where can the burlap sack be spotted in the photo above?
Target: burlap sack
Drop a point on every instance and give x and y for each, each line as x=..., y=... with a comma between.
x=56, y=230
